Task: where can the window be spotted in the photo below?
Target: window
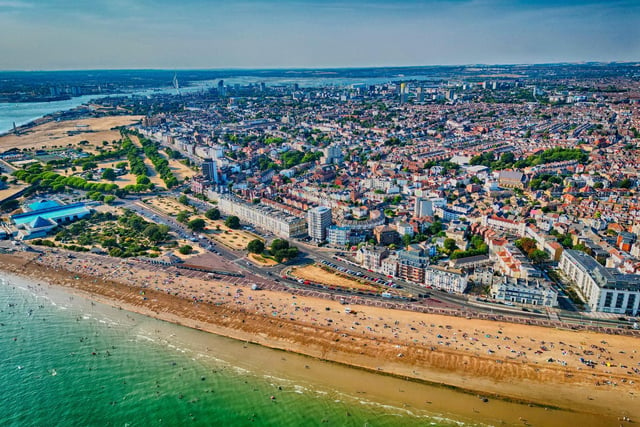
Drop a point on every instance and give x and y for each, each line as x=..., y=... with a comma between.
x=619, y=300
x=630, y=302
x=607, y=299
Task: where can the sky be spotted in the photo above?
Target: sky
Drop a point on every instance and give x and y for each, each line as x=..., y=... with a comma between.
x=169, y=34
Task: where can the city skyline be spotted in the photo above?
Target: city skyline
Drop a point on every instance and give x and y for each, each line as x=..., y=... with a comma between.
x=59, y=34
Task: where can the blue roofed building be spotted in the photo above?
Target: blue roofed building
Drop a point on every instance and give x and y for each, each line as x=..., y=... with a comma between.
x=42, y=216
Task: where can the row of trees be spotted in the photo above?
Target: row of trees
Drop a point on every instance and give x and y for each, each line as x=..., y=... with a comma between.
x=43, y=179
x=151, y=151
x=159, y=162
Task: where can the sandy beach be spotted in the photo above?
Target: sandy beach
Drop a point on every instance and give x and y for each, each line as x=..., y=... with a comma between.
x=584, y=371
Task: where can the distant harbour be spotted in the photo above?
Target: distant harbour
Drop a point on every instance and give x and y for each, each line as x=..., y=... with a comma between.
x=22, y=113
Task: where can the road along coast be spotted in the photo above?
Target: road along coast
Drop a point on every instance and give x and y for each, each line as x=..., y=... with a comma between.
x=583, y=371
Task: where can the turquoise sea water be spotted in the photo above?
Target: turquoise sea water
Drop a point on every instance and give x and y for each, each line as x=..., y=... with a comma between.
x=66, y=361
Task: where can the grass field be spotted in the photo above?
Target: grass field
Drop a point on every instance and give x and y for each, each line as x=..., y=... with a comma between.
x=168, y=205
x=262, y=261
x=234, y=239
x=67, y=134
x=89, y=135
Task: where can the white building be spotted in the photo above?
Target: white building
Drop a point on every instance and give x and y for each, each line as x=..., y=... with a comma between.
x=531, y=292
x=389, y=266
x=268, y=218
x=370, y=257
x=449, y=280
x=504, y=224
x=404, y=228
x=318, y=220
x=603, y=289
x=337, y=235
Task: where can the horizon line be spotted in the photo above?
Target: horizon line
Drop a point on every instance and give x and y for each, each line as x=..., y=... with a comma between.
x=366, y=67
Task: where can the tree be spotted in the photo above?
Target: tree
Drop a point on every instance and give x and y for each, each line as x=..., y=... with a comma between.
x=580, y=247
x=185, y=250
x=110, y=243
x=232, y=222
x=406, y=239
x=538, y=256
x=435, y=227
x=183, y=199
x=477, y=241
x=212, y=214
x=109, y=174
x=526, y=245
x=9, y=205
x=450, y=245
x=280, y=249
x=183, y=216
x=255, y=246
x=156, y=233
x=89, y=165
x=279, y=244
x=143, y=180
x=196, y=224
x=625, y=183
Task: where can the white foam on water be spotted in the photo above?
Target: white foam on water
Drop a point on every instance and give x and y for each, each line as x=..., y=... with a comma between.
x=144, y=337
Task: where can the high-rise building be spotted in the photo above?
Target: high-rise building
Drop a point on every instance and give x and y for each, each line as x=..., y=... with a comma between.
x=210, y=171
x=318, y=220
x=404, y=90
x=450, y=94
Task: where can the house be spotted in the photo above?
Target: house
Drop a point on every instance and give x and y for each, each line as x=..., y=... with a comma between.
x=385, y=235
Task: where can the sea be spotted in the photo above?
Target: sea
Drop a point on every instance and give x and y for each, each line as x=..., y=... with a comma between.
x=66, y=360
x=69, y=361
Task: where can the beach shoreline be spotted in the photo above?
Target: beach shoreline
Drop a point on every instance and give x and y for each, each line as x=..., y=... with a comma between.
x=387, y=348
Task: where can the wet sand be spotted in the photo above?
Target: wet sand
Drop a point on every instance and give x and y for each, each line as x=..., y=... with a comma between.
x=586, y=371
